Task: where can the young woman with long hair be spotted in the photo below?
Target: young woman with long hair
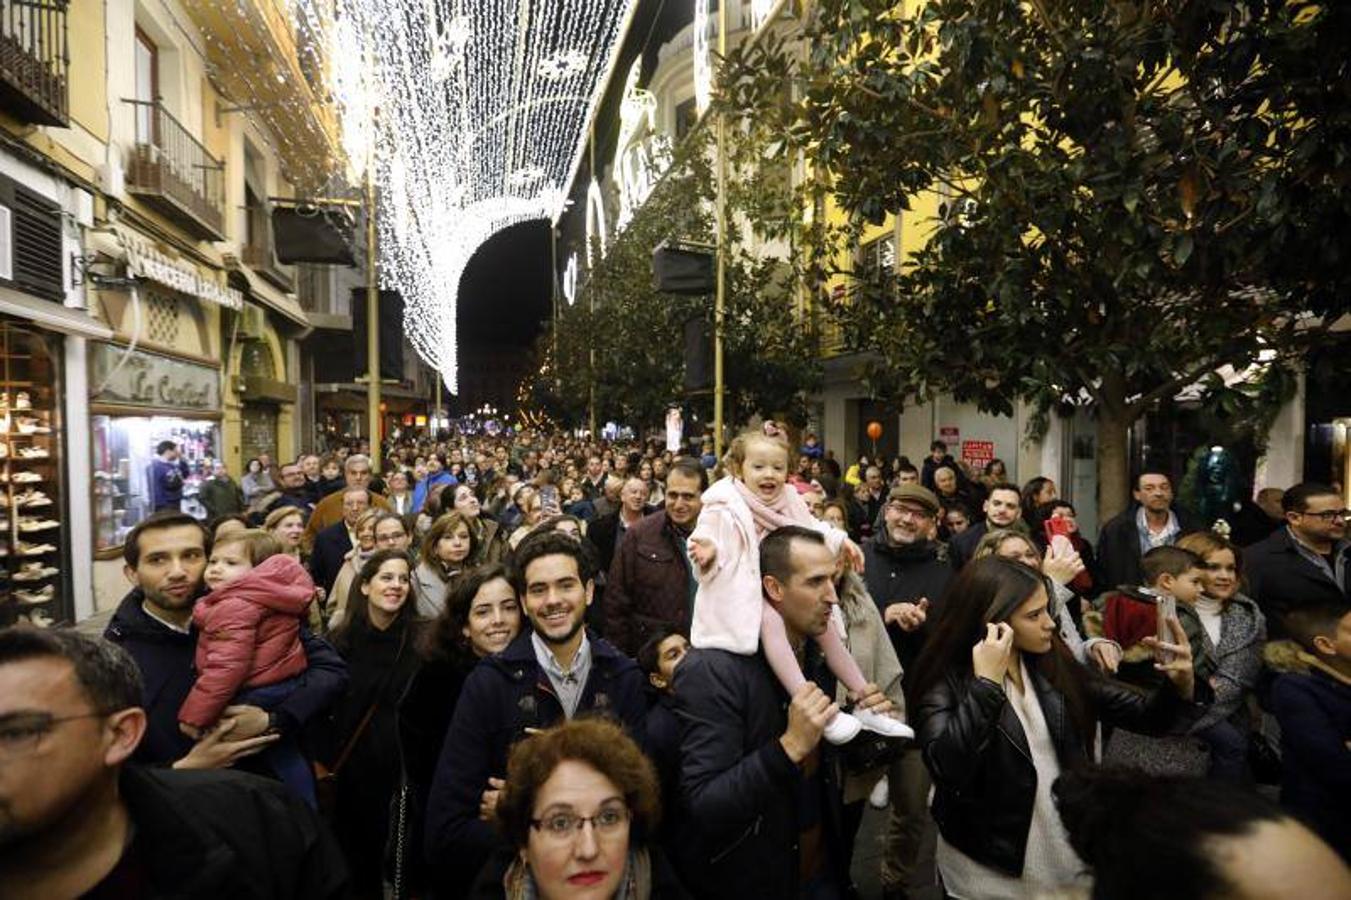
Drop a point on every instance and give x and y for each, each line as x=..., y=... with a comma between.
x=1001, y=707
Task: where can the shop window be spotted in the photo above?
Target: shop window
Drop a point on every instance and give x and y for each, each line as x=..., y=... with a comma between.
x=124, y=449
x=33, y=562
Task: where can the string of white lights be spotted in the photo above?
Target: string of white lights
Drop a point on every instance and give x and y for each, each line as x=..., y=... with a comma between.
x=477, y=112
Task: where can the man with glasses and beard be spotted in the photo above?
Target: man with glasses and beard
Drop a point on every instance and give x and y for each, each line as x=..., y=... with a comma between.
x=78, y=820
x=555, y=670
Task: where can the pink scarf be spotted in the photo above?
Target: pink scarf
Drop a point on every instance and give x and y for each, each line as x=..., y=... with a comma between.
x=787, y=509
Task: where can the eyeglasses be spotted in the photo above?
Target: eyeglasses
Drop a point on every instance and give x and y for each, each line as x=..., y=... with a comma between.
x=20, y=735
x=913, y=512
x=1329, y=515
x=562, y=827
x=390, y=540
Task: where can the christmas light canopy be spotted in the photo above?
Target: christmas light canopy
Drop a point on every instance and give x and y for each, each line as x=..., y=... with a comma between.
x=474, y=114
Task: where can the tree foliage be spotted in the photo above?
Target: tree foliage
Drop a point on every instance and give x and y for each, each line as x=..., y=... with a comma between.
x=637, y=332
x=1133, y=194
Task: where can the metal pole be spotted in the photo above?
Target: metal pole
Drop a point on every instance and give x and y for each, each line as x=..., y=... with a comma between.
x=720, y=293
x=591, y=369
x=372, y=319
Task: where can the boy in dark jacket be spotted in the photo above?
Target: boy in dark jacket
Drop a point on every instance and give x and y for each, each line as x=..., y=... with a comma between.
x=1312, y=701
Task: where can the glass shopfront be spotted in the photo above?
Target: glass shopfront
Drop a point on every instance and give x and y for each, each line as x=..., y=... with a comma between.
x=181, y=401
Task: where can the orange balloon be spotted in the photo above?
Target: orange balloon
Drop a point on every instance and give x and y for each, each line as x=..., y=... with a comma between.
x=874, y=430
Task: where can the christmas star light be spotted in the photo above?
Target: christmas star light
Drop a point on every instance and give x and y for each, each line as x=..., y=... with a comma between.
x=474, y=114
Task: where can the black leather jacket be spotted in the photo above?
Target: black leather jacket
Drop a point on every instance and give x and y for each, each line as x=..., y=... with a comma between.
x=976, y=750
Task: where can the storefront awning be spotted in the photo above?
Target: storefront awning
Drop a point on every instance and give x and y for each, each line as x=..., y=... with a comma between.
x=53, y=316
x=264, y=294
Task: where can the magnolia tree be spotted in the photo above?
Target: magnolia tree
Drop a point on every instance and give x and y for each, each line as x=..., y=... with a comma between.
x=1136, y=197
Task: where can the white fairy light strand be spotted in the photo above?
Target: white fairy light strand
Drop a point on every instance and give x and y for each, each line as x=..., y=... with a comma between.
x=477, y=110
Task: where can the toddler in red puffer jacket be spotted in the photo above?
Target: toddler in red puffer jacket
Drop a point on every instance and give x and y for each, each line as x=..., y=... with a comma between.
x=248, y=641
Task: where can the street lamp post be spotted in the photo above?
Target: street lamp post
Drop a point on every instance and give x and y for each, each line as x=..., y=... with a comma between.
x=720, y=291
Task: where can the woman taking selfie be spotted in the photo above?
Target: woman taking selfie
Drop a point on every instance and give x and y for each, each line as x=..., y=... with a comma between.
x=1001, y=707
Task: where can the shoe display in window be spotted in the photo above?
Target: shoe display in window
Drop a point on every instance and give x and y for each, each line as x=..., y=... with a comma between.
x=33, y=453
x=23, y=548
x=23, y=401
x=24, y=478
x=29, y=499
x=30, y=425
x=39, y=618
x=35, y=571
x=35, y=598
x=33, y=523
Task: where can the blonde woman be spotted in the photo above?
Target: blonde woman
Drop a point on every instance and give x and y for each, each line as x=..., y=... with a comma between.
x=364, y=530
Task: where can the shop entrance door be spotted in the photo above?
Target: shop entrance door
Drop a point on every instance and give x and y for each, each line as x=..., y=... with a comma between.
x=260, y=431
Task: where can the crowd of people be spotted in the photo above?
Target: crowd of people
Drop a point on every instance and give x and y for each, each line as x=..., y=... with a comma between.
x=545, y=666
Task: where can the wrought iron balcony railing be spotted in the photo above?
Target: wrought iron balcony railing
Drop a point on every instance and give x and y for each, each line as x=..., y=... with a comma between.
x=35, y=61
x=171, y=170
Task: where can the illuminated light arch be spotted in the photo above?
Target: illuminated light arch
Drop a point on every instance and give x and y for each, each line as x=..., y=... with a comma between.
x=483, y=112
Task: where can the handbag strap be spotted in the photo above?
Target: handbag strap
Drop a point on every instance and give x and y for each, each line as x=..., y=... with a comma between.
x=352, y=741
x=370, y=710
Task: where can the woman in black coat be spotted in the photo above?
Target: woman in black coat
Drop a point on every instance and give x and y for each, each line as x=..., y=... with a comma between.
x=1001, y=708
x=482, y=616
x=377, y=641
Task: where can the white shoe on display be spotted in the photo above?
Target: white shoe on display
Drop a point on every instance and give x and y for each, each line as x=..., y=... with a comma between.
x=842, y=729
x=883, y=725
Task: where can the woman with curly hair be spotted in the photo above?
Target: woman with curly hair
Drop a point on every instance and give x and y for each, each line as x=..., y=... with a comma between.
x=577, y=802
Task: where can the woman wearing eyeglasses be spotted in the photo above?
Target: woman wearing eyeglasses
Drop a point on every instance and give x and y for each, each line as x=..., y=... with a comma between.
x=577, y=802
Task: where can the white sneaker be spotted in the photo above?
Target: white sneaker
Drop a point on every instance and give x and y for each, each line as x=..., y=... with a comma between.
x=880, y=796
x=26, y=478
x=22, y=400
x=34, y=598
x=33, y=453
x=883, y=725
x=842, y=729
x=39, y=618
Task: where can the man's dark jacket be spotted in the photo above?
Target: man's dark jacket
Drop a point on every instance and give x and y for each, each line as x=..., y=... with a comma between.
x=1281, y=580
x=606, y=533
x=228, y=835
x=1119, y=547
x=739, y=785
x=648, y=585
x=962, y=547
x=331, y=547
x=165, y=658
x=504, y=695
x=903, y=573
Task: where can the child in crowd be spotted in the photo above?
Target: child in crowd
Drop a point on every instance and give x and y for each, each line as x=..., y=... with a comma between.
x=1312, y=702
x=730, y=612
x=1128, y=616
x=248, y=644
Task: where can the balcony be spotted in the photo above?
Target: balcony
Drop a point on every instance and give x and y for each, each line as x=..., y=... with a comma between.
x=35, y=61
x=171, y=171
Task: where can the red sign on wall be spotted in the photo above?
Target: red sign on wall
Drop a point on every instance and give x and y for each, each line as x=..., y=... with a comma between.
x=977, y=453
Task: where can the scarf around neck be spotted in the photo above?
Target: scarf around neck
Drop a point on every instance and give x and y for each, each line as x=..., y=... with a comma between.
x=787, y=509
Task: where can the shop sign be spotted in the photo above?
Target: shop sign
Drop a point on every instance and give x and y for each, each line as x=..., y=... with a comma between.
x=138, y=378
x=144, y=261
x=949, y=434
x=977, y=453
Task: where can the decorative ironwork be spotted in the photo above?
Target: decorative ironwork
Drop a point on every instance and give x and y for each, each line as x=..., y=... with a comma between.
x=173, y=171
x=35, y=61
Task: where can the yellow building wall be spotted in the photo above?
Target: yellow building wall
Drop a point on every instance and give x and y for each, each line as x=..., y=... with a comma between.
x=87, y=35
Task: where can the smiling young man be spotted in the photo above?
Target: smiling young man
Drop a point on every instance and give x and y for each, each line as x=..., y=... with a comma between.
x=554, y=670
x=1306, y=563
x=1003, y=510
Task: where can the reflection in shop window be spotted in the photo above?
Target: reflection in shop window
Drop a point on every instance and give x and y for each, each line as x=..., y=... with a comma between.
x=124, y=448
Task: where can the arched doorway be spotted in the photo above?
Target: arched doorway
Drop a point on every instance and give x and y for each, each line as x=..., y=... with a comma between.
x=258, y=419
